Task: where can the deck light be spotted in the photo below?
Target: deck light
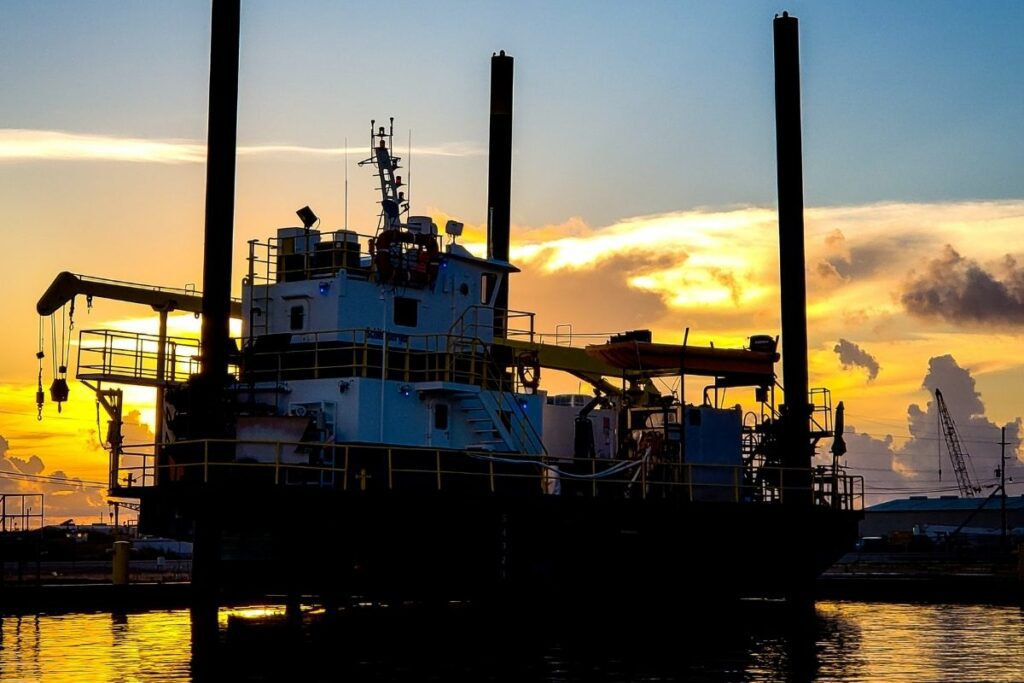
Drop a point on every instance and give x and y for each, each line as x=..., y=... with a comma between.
x=307, y=217
x=325, y=287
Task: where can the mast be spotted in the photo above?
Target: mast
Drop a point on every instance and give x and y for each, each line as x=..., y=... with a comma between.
x=220, y=191
x=499, y=177
x=797, y=449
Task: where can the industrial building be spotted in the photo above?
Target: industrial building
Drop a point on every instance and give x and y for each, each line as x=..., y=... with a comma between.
x=904, y=514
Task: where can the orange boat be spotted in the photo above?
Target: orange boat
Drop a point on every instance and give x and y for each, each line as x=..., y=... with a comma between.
x=651, y=359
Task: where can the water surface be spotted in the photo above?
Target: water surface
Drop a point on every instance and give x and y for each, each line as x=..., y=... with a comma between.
x=839, y=641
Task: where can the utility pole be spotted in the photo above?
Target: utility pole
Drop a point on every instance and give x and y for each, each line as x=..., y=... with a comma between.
x=1002, y=482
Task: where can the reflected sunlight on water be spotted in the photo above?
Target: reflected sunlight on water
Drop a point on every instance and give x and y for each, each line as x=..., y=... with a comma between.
x=96, y=647
x=842, y=641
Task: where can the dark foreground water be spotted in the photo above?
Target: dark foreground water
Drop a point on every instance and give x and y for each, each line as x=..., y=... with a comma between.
x=839, y=641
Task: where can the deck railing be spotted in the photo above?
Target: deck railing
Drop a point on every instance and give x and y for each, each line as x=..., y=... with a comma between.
x=21, y=511
x=134, y=357
x=369, y=468
x=371, y=353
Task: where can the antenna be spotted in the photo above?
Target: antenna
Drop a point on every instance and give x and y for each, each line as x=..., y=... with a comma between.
x=346, y=183
x=408, y=174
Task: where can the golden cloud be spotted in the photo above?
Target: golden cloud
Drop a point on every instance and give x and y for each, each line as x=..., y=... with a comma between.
x=18, y=144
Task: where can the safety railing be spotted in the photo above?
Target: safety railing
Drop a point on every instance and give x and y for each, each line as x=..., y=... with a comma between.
x=306, y=255
x=370, y=353
x=520, y=425
x=477, y=321
x=135, y=357
x=368, y=468
x=820, y=400
x=21, y=511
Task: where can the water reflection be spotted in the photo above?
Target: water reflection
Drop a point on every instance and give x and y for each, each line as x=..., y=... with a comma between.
x=836, y=642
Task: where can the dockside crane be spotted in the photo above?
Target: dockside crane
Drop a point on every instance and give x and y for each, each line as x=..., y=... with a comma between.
x=957, y=455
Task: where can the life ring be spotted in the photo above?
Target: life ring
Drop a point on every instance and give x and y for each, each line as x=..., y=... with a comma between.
x=528, y=368
x=386, y=251
x=382, y=257
x=430, y=258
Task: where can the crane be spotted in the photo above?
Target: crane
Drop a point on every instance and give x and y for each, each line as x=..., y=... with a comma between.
x=957, y=455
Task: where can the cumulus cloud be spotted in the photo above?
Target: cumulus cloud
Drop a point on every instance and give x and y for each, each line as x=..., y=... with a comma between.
x=851, y=355
x=844, y=261
x=960, y=290
x=134, y=430
x=63, y=496
x=33, y=465
x=895, y=468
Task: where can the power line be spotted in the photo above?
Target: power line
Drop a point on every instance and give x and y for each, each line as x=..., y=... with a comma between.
x=911, y=437
x=9, y=474
x=48, y=417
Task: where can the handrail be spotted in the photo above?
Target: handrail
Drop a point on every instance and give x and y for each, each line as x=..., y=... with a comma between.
x=21, y=512
x=465, y=328
x=639, y=478
x=523, y=418
x=106, y=353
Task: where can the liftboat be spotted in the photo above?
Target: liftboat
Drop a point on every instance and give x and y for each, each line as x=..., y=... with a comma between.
x=382, y=428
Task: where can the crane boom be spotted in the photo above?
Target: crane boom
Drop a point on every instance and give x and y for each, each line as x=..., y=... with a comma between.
x=67, y=285
x=957, y=455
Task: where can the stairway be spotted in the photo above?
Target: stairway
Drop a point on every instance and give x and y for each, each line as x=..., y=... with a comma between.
x=498, y=424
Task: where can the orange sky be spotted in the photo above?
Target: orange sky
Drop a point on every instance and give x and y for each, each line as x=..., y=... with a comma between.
x=714, y=271
x=642, y=197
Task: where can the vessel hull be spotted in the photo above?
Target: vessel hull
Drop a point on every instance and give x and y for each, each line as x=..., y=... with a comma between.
x=451, y=546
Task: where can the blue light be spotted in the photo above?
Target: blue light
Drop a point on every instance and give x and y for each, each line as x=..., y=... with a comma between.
x=444, y=263
x=523, y=404
x=325, y=287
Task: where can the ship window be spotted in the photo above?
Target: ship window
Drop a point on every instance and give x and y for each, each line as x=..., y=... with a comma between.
x=441, y=416
x=297, y=317
x=487, y=283
x=406, y=311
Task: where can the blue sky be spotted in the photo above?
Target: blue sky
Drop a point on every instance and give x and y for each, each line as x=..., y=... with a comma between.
x=621, y=108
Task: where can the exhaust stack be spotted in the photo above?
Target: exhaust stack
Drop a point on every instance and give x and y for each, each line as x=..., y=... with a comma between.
x=796, y=439
x=220, y=192
x=499, y=176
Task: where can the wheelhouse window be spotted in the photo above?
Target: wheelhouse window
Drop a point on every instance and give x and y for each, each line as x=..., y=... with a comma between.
x=488, y=281
x=297, y=317
x=441, y=416
x=406, y=311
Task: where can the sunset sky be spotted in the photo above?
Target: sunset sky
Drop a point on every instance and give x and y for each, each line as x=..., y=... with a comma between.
x=643, y=187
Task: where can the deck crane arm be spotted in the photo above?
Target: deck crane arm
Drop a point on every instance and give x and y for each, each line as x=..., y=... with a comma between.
x=67, y=286
x=957, y=455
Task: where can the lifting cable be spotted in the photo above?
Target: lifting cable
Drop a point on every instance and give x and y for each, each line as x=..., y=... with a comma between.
x=59, y=388
x=59, y=360
x=40, y=396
